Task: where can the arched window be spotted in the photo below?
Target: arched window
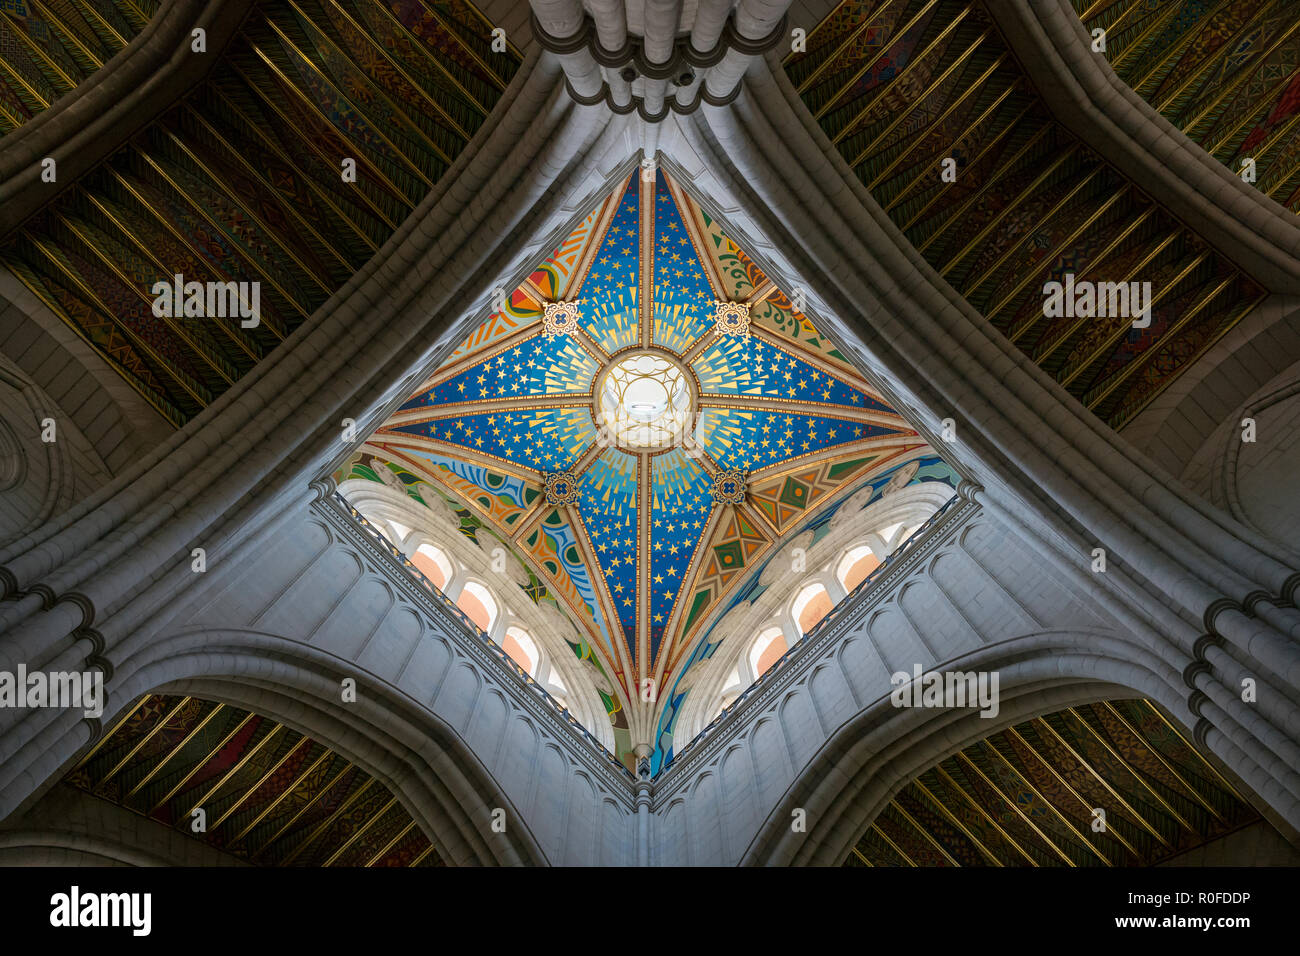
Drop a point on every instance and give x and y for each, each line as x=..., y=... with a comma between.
x=400, y=530
x=856, y=566
x=766, y=651
x=519, y=644
x=433, y=564
x=477, y=603
x=812, y=604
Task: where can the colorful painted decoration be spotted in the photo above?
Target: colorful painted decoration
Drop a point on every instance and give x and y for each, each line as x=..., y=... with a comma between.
x=731, y=318
x=560, y=318
x=238, y=182
x=1027, y=202
x=656, y=384
x=562, y=489
x=728, y=487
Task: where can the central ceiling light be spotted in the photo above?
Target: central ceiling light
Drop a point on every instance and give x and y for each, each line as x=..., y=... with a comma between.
x=645, y=400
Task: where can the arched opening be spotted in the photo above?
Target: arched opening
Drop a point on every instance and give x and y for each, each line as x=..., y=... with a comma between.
x=161, y=784
x=767, y=650
x=477, y=603
x=856, y=566
x=889, y=535
x=842, y=560
x=812, y=604
x=556, y=687
x=433, y=564
x=1128, y=765
x=464, y=572
x=521, y=648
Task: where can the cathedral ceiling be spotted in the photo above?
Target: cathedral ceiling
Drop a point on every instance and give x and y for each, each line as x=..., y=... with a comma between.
x=1227, y=74
x=242, y=181
x=645, y=452
x=269, y=795
x=48, y=47
x=1025, y=797
x=901, y=85
x=645, y=421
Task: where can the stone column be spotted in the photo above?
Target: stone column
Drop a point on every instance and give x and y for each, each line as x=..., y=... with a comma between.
x=670, y=75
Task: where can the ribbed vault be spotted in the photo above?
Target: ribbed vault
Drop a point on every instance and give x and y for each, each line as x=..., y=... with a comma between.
x=241, y=181
x=49, y=48
x=1226, y=74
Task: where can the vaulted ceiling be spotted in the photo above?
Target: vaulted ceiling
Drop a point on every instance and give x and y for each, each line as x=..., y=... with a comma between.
x=240, y=181
x=901, y=85
x=751, y=425
x=243, y=181
x=644, y=544
x=48, y=47
x=1226, y=74
x=1026, y=796
x=269, y=795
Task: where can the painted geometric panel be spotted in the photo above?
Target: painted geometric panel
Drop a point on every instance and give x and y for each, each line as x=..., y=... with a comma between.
x=784, y=499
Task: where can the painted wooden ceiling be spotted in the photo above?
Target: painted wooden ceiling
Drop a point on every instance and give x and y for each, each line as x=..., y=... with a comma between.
x=270, y=795
x=241, y=182
x=900, y=85
x=1226, y=73
x=48, y=47
x=1025, y=797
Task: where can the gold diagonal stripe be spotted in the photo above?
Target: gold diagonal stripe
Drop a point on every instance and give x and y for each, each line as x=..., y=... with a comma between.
x=1015, y=807
x=356, y=835
x=306, y=806
x=105, y=738
x=243, y=761
x=333, y=818
x=884, y=48
x=390, y=844
x=304, y=742
x=199, y=765
x=174, y=751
